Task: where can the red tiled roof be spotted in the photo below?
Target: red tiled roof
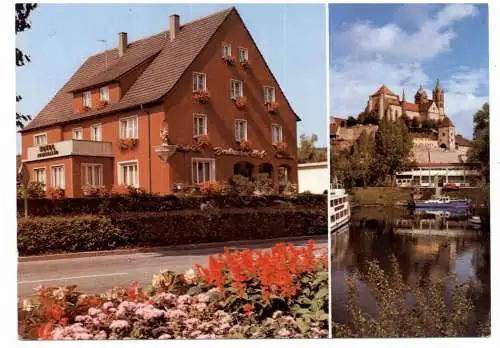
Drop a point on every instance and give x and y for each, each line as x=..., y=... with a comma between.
x=446, y=122
x=410, y=106
x=383, y=90
x=461, y=141
x=170, y=59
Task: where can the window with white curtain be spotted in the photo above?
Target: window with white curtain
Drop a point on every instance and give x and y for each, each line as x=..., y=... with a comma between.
x=58, y=177
x=200, y=124
x=92, y=174
x=236, y=89
x=203, y=170
x=128, y=173
x=96, y=132
x=128, y=128
x=277, y=135
x=240, y=130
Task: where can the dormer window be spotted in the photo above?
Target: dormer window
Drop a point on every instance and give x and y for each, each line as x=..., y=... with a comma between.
x=104, y=94
x=40, y=139
x=87, y=99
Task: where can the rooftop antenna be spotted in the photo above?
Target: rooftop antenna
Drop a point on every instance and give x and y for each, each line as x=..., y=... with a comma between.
x=105, y=51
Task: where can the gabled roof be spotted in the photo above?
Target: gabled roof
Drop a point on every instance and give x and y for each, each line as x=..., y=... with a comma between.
x=410, y=106
x=169, y=60
x=383, y=90
x=461, y=141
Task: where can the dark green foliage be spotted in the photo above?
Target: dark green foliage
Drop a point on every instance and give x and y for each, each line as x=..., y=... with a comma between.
x=351, y=121
x=152, y=203
x=35, y=190
x=307, y=151
x=89, y=233
x=404, y=311
x=480, y=151
x=23, y=12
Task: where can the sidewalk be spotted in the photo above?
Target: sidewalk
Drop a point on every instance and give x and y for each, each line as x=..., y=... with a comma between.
x=230, y=244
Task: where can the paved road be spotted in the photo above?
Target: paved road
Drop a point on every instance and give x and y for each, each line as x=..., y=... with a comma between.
x=98, y=274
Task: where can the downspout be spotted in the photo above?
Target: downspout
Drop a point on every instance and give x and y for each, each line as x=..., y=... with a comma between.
x=149, y=150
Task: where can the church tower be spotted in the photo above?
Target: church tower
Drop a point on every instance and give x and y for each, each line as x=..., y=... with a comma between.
x=438, y=97
x=446, y=134
x=421, y=96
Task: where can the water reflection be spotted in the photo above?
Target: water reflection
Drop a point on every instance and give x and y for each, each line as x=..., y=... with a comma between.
x=426, y=243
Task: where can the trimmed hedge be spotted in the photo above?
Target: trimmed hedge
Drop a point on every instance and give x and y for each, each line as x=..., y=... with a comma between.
x=43, y=235
x=153, y=203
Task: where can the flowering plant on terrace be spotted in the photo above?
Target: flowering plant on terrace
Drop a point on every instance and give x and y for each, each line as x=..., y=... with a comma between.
x=243, y=294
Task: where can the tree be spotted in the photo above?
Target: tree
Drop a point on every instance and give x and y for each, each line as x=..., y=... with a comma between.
x=480, y=150
x=351, y=121
x=361, y=157
x=23, y=12
x=307, y=151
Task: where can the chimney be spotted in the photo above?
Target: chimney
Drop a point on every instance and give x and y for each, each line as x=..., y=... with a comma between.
x=122, y=43
x=174, y=26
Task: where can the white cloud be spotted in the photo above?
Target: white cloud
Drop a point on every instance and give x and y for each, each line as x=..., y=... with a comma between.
x=434, y=36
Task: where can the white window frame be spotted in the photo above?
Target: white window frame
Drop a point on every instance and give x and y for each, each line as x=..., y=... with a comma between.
x=35, y=136
x=195, y=125
x=226, y=47
x=244, y=56
x=104, y=97
x=127, y=133
x=121, y=178
x=196, y=81
x=93, y=127
x=53, y=178
x=44, y=175
x=75, y=130
x=274, y=126
x=87, y=99
x=85, y=178
x=197, y=160
x=235, y=93
x=237, y=129
x=266, y=95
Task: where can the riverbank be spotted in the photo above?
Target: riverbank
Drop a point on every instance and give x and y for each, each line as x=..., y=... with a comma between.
x=399, y=196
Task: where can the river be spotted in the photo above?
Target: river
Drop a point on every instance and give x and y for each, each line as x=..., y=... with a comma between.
x=425, y=246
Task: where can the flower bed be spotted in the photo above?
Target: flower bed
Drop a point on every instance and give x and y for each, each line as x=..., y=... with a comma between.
x=244, y=294
x=39, y=235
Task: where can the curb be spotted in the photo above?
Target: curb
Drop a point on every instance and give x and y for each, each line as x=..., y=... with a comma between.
x=230, y=244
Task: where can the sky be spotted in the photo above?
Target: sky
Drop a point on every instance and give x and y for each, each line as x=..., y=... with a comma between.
x=405, y=46
x=290, y=37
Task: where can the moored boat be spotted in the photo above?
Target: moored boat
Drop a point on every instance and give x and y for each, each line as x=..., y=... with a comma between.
x=339, y=210
x=441, y=202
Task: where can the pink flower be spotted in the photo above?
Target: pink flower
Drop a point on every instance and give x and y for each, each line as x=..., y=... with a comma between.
x=94, y=311
x=283, y=333
x=100, y=336
x=184, y=299
x=107, y=305
x=165, y=337
x=200, y=307
x=118, y=324
x=83, y=336
x=203, y=298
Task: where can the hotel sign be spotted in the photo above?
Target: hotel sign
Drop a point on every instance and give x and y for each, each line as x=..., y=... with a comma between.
x=232, y=152
x=47, y=150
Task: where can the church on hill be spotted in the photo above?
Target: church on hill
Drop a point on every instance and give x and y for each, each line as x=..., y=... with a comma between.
x=384, y=102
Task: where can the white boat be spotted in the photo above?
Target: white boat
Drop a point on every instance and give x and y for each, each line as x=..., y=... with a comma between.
x=475, y=220
x=339, y=209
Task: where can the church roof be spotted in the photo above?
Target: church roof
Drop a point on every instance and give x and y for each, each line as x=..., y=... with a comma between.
x=446, y=122
x=461, y=141
x=421, y=92
x=383, y=90
x=410, y=106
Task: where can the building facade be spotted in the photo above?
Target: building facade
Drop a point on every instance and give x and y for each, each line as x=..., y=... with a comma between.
x=384, y=102
x=193, y=104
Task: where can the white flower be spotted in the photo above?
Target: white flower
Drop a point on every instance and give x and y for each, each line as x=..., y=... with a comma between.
x=118, y=324
x=59, y=293
x=284, y=332
x=203, y=298
x=165, y=337
x=27, y=305
x=190, y=276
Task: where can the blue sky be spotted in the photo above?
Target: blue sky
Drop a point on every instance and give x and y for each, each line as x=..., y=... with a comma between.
x=63, y=36
x=403, y=46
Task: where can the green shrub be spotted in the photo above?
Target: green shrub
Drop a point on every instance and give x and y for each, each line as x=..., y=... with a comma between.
x=424, y=310
x=242, y=185
x=35, y=190
x=69, y=234
x=88, y=233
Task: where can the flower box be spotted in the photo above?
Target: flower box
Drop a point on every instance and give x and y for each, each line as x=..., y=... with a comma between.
x=272, y=107
x=202, y=140
x=245, y=64
x=241, y=102
x=128, y=143
x=281, y=147
x=55, y=193
x=102, y=104
x=245, y=145
x=229, y=60
x=201, y=97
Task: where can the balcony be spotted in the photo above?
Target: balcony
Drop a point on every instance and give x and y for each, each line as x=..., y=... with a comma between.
x=69, y=148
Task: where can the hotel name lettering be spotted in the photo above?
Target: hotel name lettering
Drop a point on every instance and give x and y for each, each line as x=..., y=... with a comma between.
x=47, y=150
